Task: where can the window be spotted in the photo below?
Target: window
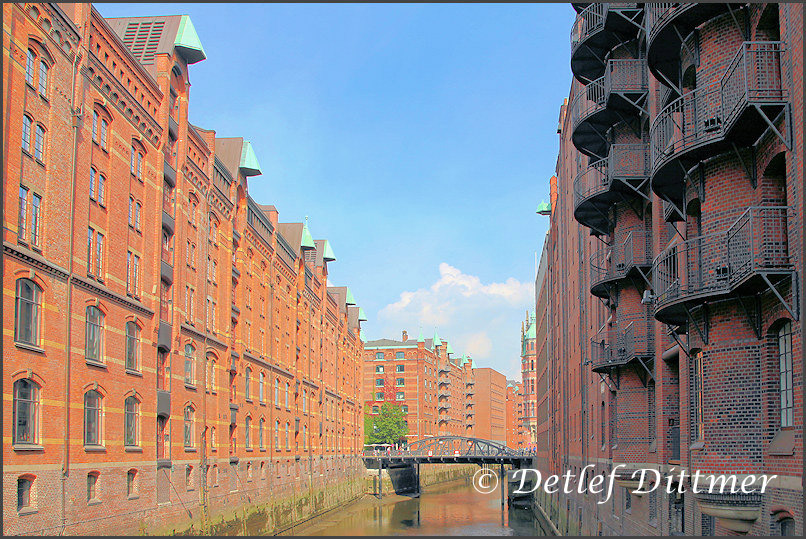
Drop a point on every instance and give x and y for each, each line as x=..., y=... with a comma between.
x=104, y=128
x=132, y=489
x=379, y=396
x=379, y=369
x=786, y=526
x=304, y=401
x=188, y=426
x=137, y=211
x=287, y=437
x=247, y=383
x=92, y=417
x=132, y=274
x=277, y=435
x=260, y=388
x=378, y=355
x=132, y=346
x=399, y=355
x=189, y=361
x=248, y=432
x=404, y=408
x=188, y=477
x=26, y=133
x=29, y=67
x=379, y=382
x=92, y=184
x=36, y=219
x=698, y=422
x=22, y=219
x=94, y=346
x=400, y=368
x=95, y=126
x=43, y=78
x=92, y=483
x=286, y=395
x=39, y=143
x=260, y=427
x=399, y=382
x=212, y=439
x=25, y=492
x=99, y=254
x=101, y=190
x=375, y=409
x=28, y=307
x=399, y=396
x=785, y=375
x=212, y=375
x=95, y=253
x=26, y=412
x=163, y=437
x=305, y=437
x=277, y=392
x=131, y=421
x=136, y=163
x=213, y=230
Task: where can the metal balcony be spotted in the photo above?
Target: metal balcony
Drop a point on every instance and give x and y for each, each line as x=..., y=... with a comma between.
x=598, y=28
x=443, y=418
x=617, y=95
x=621, y=176
x=443, y=406
x=624, y=259
x=752, y=254
x=443, y=369
x=616, y=347
x=732, y=112
x=579, y=6
x=443, y=381
x=443, y=394
x=667, y=24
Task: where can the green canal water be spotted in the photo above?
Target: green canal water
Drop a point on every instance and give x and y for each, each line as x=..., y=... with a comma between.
x=454, y=508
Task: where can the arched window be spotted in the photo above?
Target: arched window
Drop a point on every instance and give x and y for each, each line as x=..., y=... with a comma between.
x=27, y=125
x=698, y=421
x=131, y=421
x=26, y=494
x=287, y=437
x=39, y=143
x=93, y=416
x=305, y=437
x=94, y=347
x=304, y=401
x=188, y=426
x=30, y=66
x=248, y=432
x=212, y=374
x=378, y=355
x=212, y=439
x=260, y=387
x=132, y=346
x=132, y=487
x=27, y=311
x=43, y=78
x=189, y=363
x=247, y=383
x=104, y=130
x=277, y=392
x=92, y=485
x=277, y=435
x=286, y=395
x=260, y=427
x=26, y=412
x=785, y=375
x=786, y=526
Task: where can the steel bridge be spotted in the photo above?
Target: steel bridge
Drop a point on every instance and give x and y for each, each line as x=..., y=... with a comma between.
x=448, y=450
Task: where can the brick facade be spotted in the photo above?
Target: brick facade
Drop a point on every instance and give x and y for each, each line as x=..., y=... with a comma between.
x=675, y=251
x=227, y=372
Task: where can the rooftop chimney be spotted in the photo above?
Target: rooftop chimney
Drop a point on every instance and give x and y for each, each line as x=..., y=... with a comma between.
x=405, y=336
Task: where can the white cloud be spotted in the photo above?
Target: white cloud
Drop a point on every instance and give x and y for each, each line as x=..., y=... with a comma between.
x=477, y=318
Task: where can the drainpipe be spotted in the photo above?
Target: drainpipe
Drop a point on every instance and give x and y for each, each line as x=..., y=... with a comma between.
x=76, y=114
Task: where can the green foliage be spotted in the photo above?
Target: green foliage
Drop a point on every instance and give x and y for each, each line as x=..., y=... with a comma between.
x=388, y=427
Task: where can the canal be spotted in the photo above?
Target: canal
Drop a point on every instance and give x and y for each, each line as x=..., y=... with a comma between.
x=453, y=508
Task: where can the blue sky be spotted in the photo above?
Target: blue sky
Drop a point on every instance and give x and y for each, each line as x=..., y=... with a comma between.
x=418, y=139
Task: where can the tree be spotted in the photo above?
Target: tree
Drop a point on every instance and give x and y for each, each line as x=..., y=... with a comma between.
x=388, y=427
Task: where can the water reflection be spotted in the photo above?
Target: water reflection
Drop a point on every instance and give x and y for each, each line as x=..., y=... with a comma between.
x=449, y=509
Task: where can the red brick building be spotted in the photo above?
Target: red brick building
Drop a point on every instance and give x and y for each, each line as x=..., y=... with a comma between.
x=171, y=350
x=674, y=257
x=490, y=404
x=516, y=433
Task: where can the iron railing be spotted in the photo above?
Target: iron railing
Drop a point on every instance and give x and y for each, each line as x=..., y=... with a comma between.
x=708, y=113
x=614, y=262
x=656, y=15
x=616, y=346
x=624, y=161
x=589, y=100
x=716, y=263
x=626, y=76
x=588, y=21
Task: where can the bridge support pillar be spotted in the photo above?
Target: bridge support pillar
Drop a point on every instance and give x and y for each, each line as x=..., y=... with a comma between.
x=380, y=479
x=501, y=485
x=417, y=474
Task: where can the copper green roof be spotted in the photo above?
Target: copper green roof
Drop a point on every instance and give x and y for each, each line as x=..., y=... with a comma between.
x=531, y=333
x=462, y=360
x=248, y=163
x=362, y=316
x=329, y=255
x=188, y=42
x=544, y=208
x=350, y=298
x=307, y=240
x=472, y=362
x=420, y=337
x=437, y=342
x=448, y=349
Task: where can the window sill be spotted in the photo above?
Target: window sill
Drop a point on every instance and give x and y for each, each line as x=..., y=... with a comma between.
x=94, y=449
x=133, y=497
x=133, y=449
x=31, y=347
x=249, y=450
x=696, y=446
x=248, y=400
x=27, y=511
x=188, y=385
x=93, y=363
x=190, y=450
x=134, y=372
x=27, y=447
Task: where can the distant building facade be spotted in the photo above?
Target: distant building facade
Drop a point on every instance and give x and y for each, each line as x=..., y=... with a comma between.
x=516, y=433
